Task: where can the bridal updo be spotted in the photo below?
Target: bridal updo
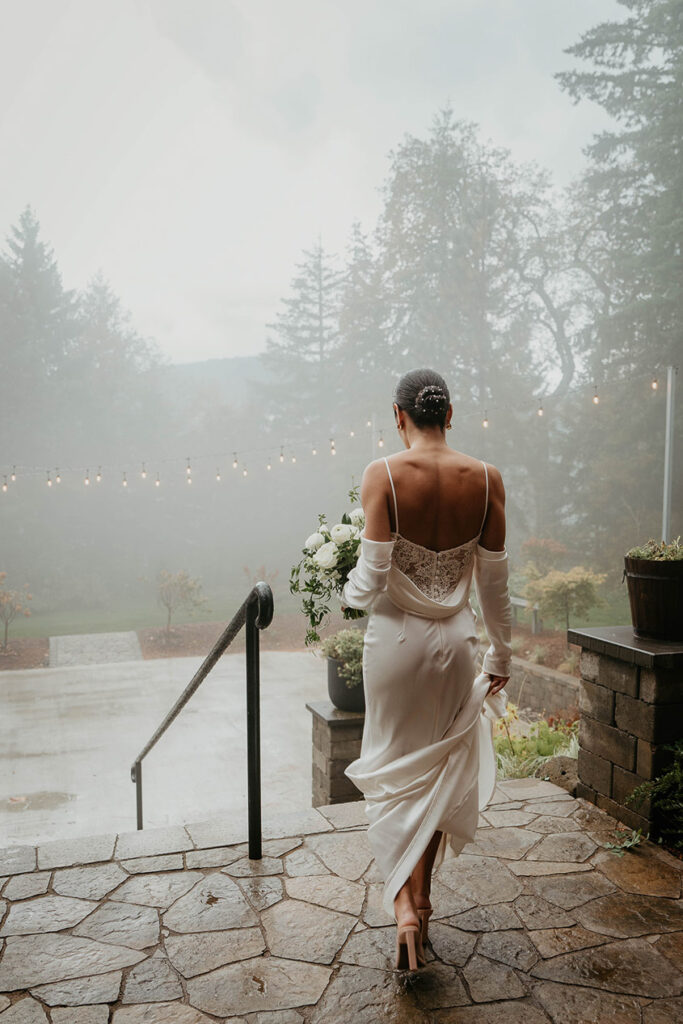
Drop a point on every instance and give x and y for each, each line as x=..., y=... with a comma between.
x=424, y=396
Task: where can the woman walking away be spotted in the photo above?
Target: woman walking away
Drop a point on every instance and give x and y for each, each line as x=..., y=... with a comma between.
x=434, y=523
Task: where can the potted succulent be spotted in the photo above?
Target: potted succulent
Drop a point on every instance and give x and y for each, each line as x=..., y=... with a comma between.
x=344, y=653
x=654, y=574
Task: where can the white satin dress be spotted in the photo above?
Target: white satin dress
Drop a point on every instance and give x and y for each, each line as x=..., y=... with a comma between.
x=427, y=760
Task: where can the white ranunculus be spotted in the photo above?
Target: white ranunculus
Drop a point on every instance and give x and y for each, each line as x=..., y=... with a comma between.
x=341, y=532
x=357, y=516
x=326, y=556
x=315, y=541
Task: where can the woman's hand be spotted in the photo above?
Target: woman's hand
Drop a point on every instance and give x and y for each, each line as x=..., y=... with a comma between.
x=497, y=682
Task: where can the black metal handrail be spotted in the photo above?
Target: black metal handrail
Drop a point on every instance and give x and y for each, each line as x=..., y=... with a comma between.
x=256, y=613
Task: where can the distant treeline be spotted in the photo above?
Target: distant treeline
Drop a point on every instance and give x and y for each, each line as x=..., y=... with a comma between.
x=527, y=297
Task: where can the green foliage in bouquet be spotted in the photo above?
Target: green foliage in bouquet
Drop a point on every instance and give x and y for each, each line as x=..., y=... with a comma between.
x=346, y=646
x=328, y=557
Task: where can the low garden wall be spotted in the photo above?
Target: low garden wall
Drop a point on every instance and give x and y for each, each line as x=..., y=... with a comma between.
x=542, y=689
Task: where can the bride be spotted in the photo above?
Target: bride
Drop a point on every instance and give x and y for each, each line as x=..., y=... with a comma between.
x=427, y=765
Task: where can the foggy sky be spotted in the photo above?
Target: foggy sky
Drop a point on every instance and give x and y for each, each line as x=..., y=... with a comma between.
x=190, y=149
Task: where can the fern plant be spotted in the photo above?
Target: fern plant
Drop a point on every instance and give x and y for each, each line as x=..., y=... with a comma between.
x=666, y=798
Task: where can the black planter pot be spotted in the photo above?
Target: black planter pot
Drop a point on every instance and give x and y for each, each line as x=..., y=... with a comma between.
x=655, y=592
x=342, y=696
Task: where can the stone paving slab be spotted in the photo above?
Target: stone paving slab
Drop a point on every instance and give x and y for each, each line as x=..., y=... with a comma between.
x=94, y=649
x=535, y=922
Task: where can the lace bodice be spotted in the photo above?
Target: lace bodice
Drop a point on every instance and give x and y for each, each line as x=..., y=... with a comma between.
x=435, y=573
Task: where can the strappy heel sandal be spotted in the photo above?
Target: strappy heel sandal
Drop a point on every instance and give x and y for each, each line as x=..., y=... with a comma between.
x=409, y=952
x=424, y=913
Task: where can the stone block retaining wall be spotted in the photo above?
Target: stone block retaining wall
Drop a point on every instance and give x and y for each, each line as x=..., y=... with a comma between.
x=631, y=703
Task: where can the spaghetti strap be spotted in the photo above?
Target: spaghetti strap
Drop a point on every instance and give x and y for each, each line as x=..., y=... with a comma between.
x=393, y=489
x=486, y=506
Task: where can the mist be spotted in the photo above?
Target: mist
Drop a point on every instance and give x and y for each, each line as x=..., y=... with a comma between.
x=229, y=228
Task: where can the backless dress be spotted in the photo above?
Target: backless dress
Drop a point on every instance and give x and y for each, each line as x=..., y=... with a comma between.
x=427, y=760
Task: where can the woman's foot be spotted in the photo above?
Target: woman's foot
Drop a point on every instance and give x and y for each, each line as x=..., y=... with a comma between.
x=405, y=909
x=423, y=905
x=409, y=951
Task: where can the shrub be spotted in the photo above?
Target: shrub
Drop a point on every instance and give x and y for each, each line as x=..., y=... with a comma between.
x=12, y=603
x=543, y=552
x=538, y=654
x=570, y=663
x=519, y=756
x=178, y=590
x=560, y=594
x=666, y=797
x=516, y=644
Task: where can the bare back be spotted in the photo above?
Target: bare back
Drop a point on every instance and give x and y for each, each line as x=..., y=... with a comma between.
x=441, y=497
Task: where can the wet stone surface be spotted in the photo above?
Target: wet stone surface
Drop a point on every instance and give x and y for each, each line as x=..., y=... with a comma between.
x=536, y=922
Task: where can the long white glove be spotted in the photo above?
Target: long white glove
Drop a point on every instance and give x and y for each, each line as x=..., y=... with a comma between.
x=491, y=586
x=368, y=578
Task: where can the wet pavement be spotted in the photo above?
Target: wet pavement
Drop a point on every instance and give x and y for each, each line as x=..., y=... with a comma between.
x=69, y=735
x=536, y=921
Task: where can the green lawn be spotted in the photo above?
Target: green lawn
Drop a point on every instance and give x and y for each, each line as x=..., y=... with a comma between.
x=615, y=612
x=124, y=616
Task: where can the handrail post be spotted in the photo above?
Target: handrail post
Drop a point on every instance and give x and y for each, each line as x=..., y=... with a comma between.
x=253, y=731
x=138, y=791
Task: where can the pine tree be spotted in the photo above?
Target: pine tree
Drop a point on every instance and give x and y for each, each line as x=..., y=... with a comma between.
x=363, y=355
x=37, y=326
x=301, y=355
x=634, y=182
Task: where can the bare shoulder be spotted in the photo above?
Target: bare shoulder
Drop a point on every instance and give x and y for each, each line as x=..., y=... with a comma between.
x=496, y=485
x=373, y=472
x=374, y=478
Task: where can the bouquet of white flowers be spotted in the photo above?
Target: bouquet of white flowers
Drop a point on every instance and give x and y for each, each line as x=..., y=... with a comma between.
x=329, y=554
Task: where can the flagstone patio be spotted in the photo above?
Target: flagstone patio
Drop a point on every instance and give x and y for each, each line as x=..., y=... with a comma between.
x=536, y=921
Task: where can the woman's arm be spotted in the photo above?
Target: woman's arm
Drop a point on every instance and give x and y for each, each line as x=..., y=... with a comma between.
x=368, y=578
x=491, y=584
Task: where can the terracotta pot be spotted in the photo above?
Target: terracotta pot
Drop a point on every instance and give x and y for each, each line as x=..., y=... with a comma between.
x=346, y=698
x=655, y=591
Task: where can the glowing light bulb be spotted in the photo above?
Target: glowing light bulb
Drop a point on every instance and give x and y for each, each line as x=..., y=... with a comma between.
x=269, y=466
x=282, y=457
x=157, y=482
x=293, y=458
x=189, y=479
x=58, y=478
x=218, y=476
x=380, y=443
x=539, y=411
x=655, y=384
x=485, y=421
x=596, y=399
x=314, y=451
x=244, y=471
x=98, y=478
x=87, y=478
x=352, y=433
x=188, y=468
x=13, y=475
x=124, y=482
x=143, y=474
x=369, y=423
x=4, y=484
x=48, y=481
x=234, y=460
